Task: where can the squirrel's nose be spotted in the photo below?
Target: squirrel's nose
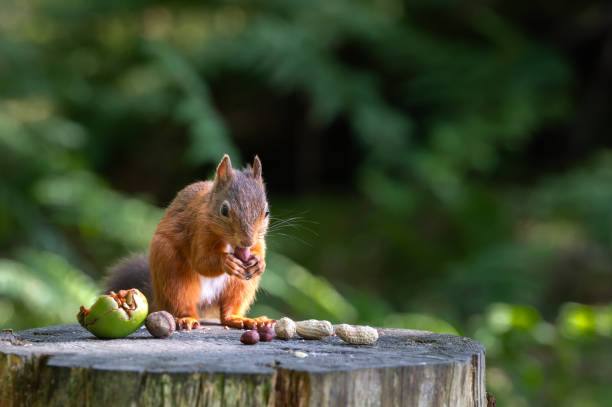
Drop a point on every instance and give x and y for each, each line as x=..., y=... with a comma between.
x=246, y=243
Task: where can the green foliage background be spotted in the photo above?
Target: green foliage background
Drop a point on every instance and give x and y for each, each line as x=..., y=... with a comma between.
x=466, y=191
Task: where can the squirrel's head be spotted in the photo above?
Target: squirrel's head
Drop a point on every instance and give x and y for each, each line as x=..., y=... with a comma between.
x=239, y=211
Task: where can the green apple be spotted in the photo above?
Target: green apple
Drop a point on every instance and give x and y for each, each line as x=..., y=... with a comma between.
x=115, y=315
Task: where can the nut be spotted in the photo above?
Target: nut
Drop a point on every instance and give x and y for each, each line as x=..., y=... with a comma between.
x=314, y=329
x=249, y=338
x=357, y=334
x=300, y=355
x=115, y=315
x=160, y=324
x=266, y=334
x=284, y=328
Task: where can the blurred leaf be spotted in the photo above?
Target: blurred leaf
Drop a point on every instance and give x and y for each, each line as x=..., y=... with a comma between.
x=45, y=290
x=305, y=293
x=84, y=201
x=209, y=139
x=577, y=320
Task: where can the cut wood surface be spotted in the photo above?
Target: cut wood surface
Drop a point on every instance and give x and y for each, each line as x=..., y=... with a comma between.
x=67, y=366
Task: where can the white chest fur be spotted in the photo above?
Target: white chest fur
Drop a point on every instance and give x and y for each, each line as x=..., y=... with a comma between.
x=210, y=288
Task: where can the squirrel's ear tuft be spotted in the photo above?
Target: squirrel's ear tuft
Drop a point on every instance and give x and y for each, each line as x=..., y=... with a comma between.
x=224, y=170
x=256, y=168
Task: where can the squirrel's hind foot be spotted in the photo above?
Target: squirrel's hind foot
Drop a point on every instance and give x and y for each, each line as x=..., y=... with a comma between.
x=247, y=323
x=187, y=323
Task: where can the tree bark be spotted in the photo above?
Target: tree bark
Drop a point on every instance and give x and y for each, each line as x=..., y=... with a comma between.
x=66, y=365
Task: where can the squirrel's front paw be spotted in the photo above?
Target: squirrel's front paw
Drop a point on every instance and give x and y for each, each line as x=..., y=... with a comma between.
x=254, y=267
x=233, y=266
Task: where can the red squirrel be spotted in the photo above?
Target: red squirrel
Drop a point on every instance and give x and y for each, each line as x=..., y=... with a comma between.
x=208, y=251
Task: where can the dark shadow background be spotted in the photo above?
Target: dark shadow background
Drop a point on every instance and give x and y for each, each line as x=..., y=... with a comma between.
x=441, y=165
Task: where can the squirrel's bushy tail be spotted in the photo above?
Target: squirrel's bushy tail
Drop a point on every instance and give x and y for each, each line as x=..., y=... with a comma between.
x=131, y=272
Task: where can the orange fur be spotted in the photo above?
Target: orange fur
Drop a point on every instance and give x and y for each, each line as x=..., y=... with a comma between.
x=192, y=238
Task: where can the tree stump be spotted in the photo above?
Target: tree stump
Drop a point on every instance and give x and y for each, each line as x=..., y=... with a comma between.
x=67, y=366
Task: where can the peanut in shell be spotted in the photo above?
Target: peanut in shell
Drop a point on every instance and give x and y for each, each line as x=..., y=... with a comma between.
x=314, y=329
x=357, y=334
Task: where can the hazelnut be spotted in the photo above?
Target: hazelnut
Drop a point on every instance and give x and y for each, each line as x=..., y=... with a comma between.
x=249, y=338
x=160, y=324
x=266, y=333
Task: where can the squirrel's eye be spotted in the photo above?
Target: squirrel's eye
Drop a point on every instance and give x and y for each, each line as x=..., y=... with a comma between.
x=266, y=214
x=224, y=210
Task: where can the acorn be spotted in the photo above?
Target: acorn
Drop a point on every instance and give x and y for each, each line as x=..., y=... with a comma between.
x=115, y=315
x=160, y=324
